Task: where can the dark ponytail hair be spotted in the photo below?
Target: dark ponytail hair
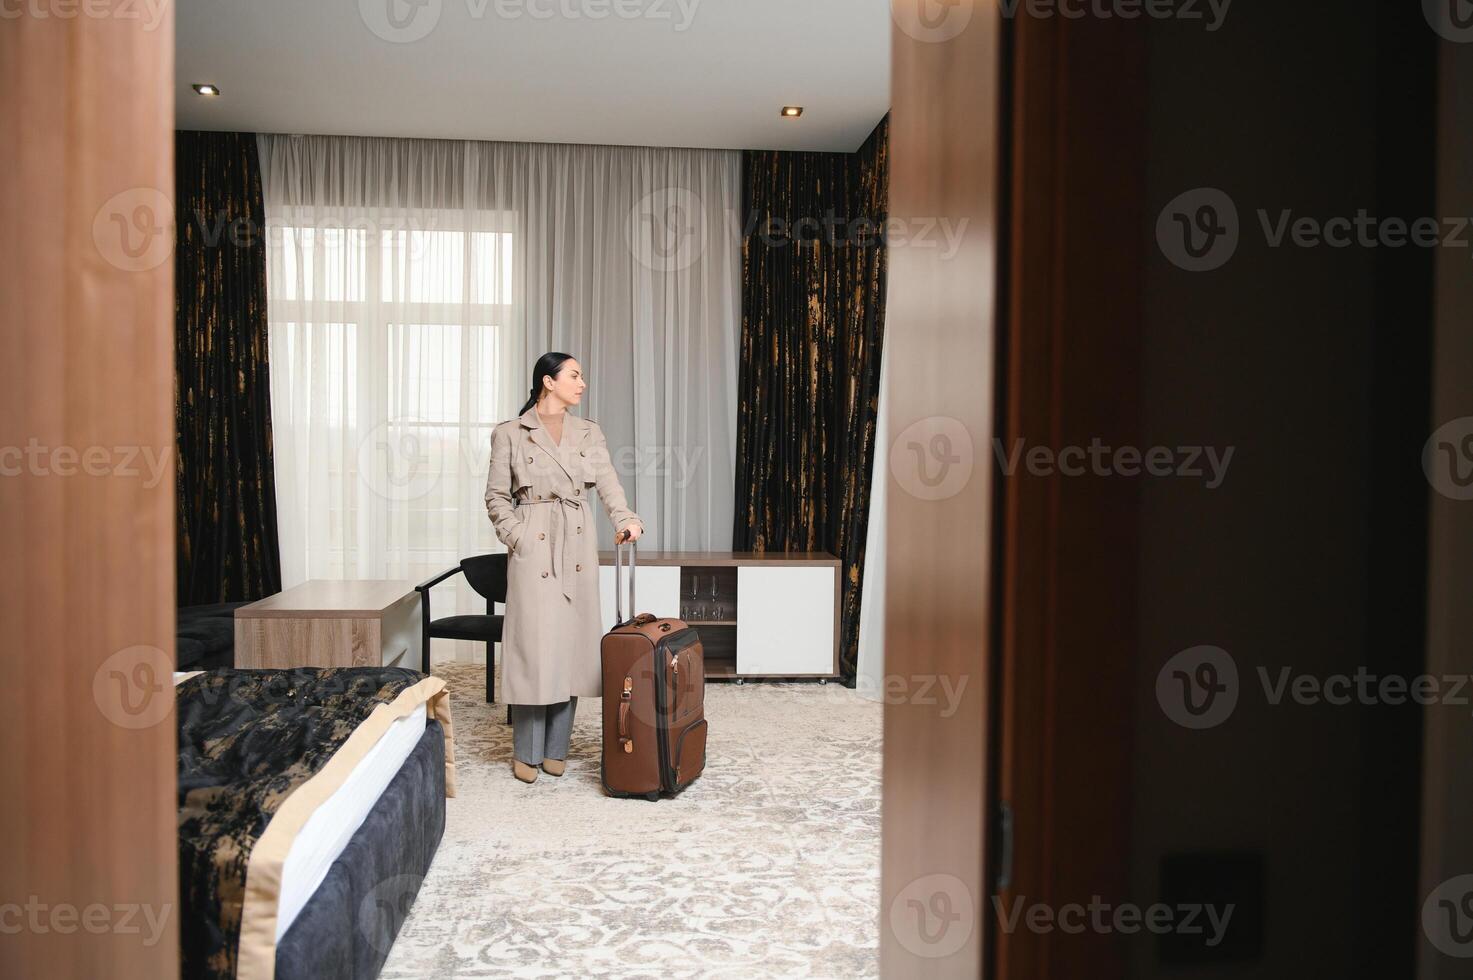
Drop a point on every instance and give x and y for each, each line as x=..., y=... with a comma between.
x=547, y=366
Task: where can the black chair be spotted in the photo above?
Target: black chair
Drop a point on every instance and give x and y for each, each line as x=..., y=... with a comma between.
x=487, y=575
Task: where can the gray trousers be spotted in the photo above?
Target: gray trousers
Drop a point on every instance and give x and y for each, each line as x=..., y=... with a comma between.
x=541, y=731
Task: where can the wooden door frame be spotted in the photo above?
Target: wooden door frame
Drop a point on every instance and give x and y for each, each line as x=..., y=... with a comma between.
x=941, y=314
x=90, y=873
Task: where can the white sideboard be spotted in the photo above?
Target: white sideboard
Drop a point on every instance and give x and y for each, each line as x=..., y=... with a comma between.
x=778, y=613
x=656, y=591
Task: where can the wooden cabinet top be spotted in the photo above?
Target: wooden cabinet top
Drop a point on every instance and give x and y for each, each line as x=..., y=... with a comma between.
x=330, y=599
x=784, y=558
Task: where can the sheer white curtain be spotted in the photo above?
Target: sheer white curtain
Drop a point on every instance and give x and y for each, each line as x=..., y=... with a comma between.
x=411, y=283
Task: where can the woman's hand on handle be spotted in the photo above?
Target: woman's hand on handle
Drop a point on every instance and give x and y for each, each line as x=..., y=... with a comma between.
x=630, y=533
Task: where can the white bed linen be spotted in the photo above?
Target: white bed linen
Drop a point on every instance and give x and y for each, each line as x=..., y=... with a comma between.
x=327, y=832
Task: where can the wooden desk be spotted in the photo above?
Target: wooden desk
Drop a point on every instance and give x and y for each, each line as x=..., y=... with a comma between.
x=332, y=623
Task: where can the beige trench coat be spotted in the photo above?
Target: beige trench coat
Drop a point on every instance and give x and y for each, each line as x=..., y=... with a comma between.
x=538, y=495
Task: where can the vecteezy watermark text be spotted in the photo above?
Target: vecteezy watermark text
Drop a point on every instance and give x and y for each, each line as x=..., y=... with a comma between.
x=1103, y=460
x=406, y=21
x=405, y=458
x=35, y=459
x=150, y=13
x=1363, y=687
x=925, y=690
x=864, y=231
x=1210, y=12
x=1363, y=229
x=679, y=12
x=1101, y=917
x=936, y=21
x=124, y=918
x=1199, y=230
x=1199, y=687
x=668, y=229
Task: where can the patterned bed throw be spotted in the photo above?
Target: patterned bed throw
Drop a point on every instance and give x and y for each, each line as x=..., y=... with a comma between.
x=248, y=741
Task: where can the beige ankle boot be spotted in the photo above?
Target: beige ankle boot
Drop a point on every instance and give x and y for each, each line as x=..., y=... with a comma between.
x=554, y=767
x=524, y=772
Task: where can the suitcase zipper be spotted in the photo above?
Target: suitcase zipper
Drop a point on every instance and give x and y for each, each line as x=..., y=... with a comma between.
x=675, y=645
x=662, y=728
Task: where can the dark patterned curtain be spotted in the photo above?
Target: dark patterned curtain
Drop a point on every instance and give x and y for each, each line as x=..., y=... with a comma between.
x=227, y=491
x=813, y=320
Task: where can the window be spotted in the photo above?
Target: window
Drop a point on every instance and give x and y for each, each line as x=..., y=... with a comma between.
x=392, y=342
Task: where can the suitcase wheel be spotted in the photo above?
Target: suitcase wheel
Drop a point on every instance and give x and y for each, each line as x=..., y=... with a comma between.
x=652, y=797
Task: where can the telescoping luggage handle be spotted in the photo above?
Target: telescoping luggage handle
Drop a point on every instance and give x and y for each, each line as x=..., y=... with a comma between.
x=619, y=580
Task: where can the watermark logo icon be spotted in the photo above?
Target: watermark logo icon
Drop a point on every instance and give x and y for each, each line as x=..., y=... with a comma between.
x=932, y=21
x=932, y=459
x=384, y=909
x=1198, y=229
x=134, y=229
x=933, y=916
x=400, y=21
x=394, y=460
x=1447, y=917
x=1451, y=19
x=1198, y=688
x=133, y=687
x=1447, y=459
x=666, y=229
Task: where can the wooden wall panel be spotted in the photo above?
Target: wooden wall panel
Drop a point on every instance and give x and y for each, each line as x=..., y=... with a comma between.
x=941, y=315
x=88, y=875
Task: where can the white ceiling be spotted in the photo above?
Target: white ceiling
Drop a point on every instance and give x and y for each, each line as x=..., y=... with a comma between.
x=704, y=73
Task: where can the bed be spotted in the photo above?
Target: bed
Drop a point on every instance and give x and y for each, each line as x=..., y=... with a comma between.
x=311, y=802
x=205, y=636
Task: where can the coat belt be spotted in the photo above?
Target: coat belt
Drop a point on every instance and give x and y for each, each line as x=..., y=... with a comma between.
x=563, y=545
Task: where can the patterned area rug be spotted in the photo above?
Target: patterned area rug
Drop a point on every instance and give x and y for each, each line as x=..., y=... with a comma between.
x=768, y=865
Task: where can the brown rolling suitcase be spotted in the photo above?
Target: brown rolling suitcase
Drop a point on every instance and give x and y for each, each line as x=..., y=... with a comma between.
x=654, y=691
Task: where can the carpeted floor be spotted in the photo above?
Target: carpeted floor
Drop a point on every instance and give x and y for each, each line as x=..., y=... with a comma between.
x=767, y=866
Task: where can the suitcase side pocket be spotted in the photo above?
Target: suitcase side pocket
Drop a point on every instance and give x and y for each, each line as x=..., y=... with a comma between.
x=690, y=754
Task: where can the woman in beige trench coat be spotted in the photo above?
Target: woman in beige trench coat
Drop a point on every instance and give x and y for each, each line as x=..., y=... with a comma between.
x=545, y=467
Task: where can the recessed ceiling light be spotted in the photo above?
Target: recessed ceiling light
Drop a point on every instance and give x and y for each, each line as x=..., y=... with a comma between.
x=206, y=89
x=793, y=111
